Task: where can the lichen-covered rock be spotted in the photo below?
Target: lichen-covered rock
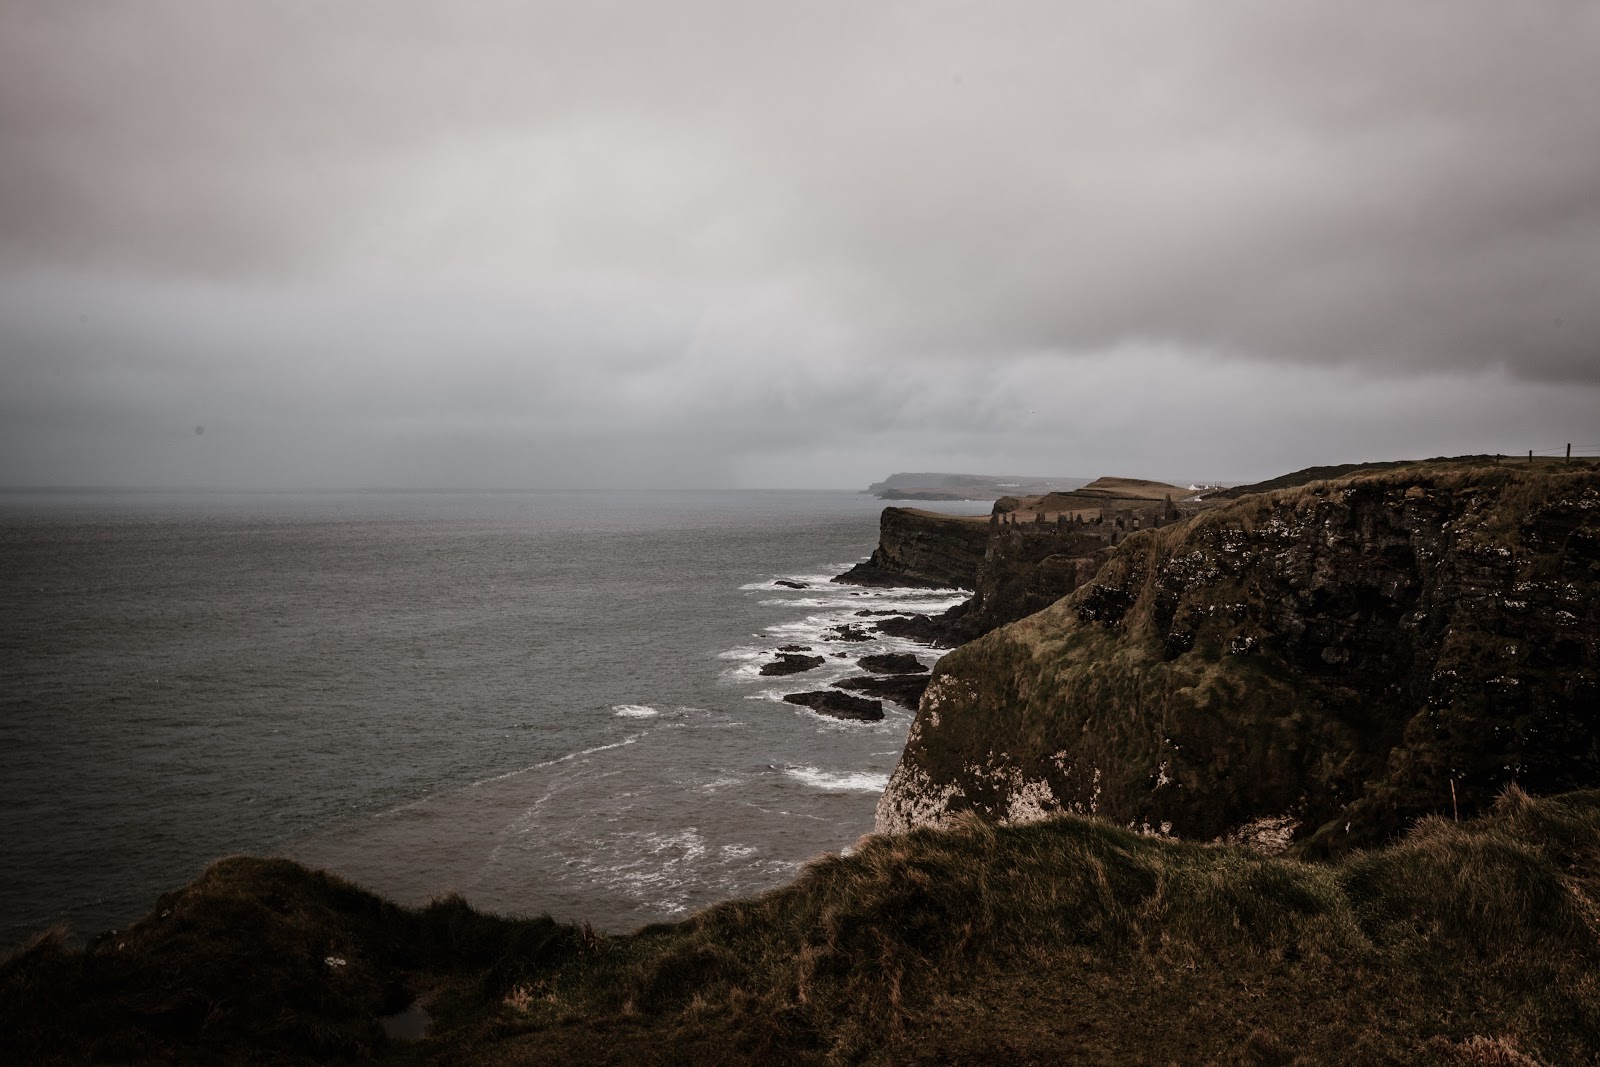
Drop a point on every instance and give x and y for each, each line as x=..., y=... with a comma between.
x=1329, y=662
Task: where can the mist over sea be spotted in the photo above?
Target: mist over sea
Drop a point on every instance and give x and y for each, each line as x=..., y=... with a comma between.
x=546, y=701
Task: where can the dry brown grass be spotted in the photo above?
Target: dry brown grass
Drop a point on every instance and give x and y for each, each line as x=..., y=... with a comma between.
x=1064, y=941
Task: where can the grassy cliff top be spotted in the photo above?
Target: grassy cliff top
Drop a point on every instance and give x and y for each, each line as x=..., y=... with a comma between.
x=1131, y=488
x=1437, y=465
x=943, y=516
x=1061, y=941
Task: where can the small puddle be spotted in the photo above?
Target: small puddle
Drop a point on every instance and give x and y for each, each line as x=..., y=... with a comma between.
x=408, y=1025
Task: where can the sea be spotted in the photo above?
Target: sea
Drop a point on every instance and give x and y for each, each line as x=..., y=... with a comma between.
x=546, y=702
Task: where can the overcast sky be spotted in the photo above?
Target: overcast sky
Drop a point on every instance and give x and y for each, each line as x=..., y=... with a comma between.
x=521, y=244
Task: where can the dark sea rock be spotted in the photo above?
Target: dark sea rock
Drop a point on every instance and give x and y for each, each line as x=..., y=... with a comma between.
x=892, y=663
x=926, y=629
x=789, y=663
x=791, y=585
x=839, y=705
x=903, y=689
x=847, y=633
x=794, y=648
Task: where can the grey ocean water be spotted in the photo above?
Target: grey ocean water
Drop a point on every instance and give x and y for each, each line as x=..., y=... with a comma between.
x=545, y=701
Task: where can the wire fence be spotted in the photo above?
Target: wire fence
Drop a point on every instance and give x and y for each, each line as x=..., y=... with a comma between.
x=1560, y=451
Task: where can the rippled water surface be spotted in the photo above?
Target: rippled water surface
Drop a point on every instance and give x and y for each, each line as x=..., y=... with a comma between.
x=549, y=702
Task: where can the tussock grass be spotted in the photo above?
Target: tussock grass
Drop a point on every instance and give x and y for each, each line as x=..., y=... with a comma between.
x=1065, y=941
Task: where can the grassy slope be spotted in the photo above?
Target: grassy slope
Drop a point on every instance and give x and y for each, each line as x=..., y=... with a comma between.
x=1092, y=695
x=1066, y=941
x=1344, y=470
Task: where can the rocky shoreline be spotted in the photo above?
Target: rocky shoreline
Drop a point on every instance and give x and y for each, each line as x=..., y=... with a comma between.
x=1372, y=673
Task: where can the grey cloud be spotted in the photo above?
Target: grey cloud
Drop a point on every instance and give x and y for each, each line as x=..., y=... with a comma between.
x=720, y=235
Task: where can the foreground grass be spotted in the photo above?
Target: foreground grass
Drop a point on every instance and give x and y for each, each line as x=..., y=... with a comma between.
x=1067, y=941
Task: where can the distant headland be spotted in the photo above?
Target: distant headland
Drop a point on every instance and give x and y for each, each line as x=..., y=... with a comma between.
x=939, y=486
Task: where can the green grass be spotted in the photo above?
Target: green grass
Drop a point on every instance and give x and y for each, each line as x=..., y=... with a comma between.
x=1067, y=941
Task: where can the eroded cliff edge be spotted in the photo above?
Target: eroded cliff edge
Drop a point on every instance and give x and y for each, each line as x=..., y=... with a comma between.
x=1318, y=665
x=1028, y=553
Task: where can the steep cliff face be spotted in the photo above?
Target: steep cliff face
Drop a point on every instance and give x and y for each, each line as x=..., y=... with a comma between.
x=1320, y=665
x=1024, y=569
x=922, y=548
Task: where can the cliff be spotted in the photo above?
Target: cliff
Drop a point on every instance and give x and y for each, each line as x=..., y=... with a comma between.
x=1319, y=665
x=923, y=548
x=1037, y=549
x=1024, y=569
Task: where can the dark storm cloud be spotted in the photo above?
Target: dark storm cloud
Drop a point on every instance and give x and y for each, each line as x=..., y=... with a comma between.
x=463, y=241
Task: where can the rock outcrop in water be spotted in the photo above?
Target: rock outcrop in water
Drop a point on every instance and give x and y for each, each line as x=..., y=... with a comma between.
x=791, y=663
x=892, y=663
x=1320, y=665
x=903, y=689
x=833, y=703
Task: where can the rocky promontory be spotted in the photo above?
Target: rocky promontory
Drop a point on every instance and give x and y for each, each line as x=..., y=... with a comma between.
x=1036, y=550
x=923, y=549
x=1317, y=666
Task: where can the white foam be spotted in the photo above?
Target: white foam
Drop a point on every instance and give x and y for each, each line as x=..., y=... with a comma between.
x=745, y=672
x=634, y=711
x=849, y=781
x=850, y=607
